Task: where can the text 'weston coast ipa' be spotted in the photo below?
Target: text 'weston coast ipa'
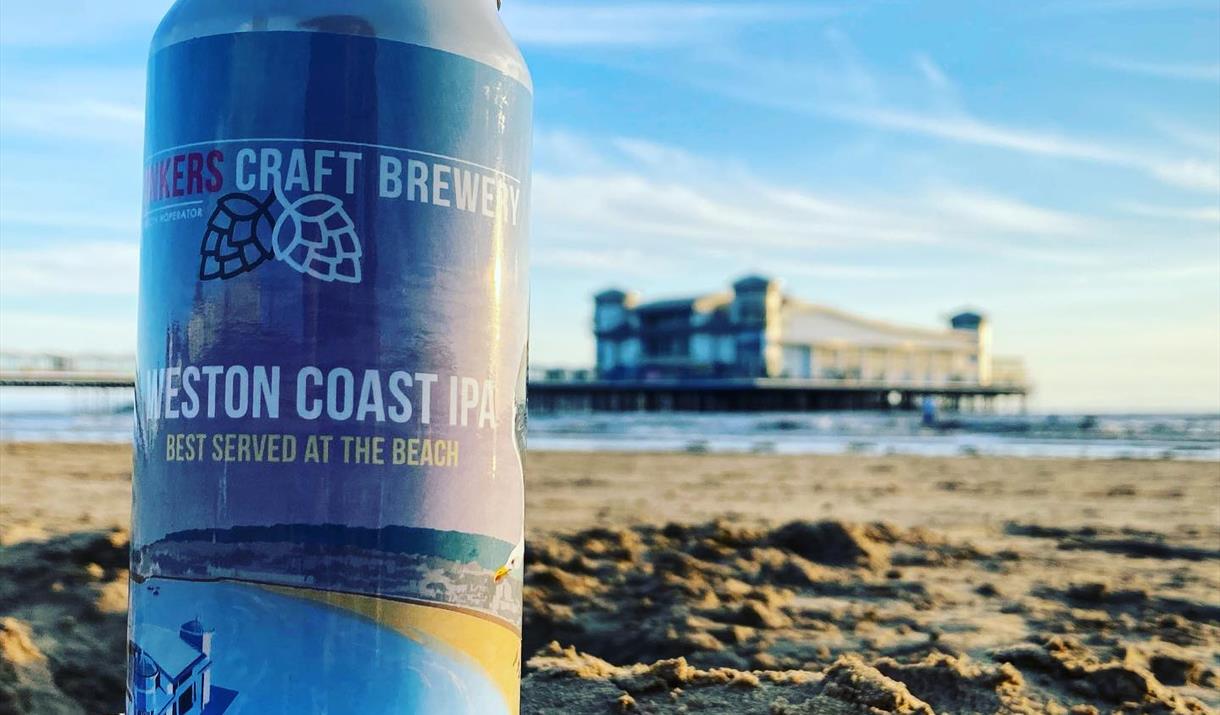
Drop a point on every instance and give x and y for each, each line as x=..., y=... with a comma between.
x=332, y=352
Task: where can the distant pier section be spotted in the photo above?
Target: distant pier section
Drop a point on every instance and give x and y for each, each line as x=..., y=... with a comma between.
x=751, y=348
x=559, y=392
x=51, y=370
x=754, y=348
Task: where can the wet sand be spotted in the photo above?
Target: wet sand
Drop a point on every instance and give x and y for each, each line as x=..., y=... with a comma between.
x=741, y=584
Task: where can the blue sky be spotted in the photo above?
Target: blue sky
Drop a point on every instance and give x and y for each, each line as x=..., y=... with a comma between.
x=1055, y=163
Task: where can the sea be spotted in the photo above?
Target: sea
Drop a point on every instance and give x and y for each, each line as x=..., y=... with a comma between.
x=105, y=415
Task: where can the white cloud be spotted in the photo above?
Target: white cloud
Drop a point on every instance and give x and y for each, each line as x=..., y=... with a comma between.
x=969, y=130
x=566, y=148
x=94, y=268
x=837, y=83
x=841, y=87
x=666, y=159
x=1161, y=274
x=646, y=209
x=932, y=72
x=1089, y=7
x=653, y=23
x=58, y=332
x=639, y=198
x=1194, y=174
x=1199, y=139
x=645, y=187
x=825, y=269
x=83, y=118
x=77, y=103
x=1194, y=71
x=57, y=23
x=1005, y=214
x=621, y=261
x=1201, y=214
x=63, y=221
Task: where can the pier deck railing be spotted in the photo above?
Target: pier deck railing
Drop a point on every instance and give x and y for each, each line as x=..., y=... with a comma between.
x=551, y=391
x=56, y=370
x=767, y=395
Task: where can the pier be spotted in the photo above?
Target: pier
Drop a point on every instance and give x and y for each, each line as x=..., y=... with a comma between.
x=54, y=370
x=581, y=391
x=766, y=395
x=66, y=379
x=755, y=348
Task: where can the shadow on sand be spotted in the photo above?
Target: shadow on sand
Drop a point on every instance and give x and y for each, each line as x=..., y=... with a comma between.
x=63, y=622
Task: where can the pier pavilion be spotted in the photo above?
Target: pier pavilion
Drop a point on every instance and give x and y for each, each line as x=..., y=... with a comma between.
x=754, y=347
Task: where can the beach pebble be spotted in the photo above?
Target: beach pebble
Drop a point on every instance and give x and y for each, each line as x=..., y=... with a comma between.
x=833, y=543
x=1175, y=669
x=760, y=615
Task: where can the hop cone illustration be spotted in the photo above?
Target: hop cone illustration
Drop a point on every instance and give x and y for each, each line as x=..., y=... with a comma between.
x=316, y=236
x=232, y=243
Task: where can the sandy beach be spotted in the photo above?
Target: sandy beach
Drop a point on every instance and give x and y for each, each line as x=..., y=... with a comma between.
x=668, y=583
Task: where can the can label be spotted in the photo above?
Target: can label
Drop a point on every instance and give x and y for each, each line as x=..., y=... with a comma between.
x=330, y=403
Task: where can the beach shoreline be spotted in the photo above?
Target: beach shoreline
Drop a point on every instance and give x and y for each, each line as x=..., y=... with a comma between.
x=784, y=584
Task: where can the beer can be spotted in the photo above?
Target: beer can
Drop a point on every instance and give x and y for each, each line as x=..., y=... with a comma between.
x=330, y=403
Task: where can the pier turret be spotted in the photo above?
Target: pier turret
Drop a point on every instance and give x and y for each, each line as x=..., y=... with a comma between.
x=613, y=326
x=143, y=684
x=975, y=322
x=755, y=313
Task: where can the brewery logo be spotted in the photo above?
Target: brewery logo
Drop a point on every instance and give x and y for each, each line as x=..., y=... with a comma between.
x=313, y=235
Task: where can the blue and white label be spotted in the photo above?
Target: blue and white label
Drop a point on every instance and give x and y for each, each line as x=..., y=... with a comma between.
x=330, y=403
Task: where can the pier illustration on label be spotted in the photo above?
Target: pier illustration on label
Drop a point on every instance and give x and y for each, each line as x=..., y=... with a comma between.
x=172, y=672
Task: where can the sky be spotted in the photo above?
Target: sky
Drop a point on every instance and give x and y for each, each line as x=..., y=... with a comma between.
x=1054, y=163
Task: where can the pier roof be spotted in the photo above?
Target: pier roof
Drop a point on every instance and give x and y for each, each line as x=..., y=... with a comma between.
x=803, y=320
x=658, y=306
x=167, y=648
